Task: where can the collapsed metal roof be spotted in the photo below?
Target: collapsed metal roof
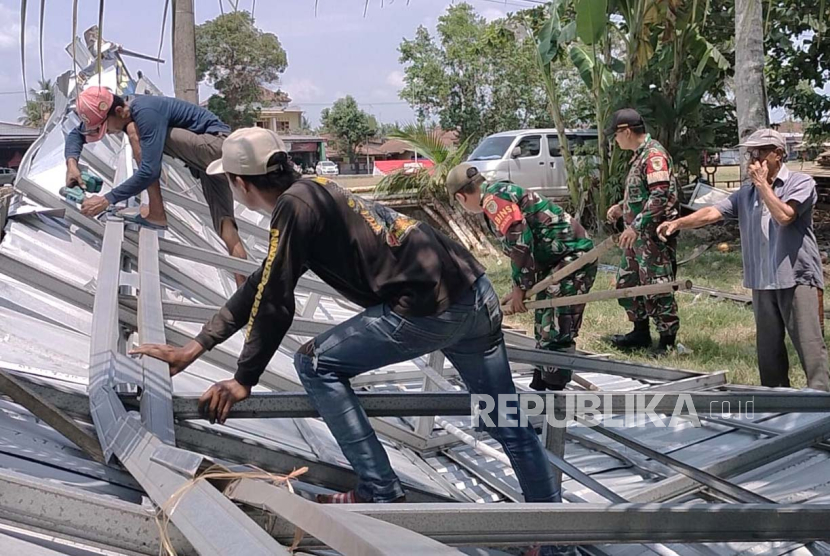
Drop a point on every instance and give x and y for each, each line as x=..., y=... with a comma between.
x=75, y=293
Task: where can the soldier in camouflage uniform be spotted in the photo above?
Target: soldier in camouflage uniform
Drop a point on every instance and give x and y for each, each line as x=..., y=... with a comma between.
x=651, y=197
x=540, y=238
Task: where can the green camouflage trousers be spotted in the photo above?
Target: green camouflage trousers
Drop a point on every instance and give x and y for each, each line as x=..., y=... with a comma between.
x=556, y=328
x=650, y=261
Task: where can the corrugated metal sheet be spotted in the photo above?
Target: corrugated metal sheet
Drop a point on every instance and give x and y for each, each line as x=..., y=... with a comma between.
x=50, y=338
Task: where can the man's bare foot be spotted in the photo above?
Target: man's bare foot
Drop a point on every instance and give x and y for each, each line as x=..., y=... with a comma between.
x=155, y=217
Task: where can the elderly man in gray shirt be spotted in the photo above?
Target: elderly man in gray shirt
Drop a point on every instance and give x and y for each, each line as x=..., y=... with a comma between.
x=782, y=265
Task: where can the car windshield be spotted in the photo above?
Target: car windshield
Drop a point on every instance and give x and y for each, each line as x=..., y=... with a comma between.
x=327, y=164
x=492, y=148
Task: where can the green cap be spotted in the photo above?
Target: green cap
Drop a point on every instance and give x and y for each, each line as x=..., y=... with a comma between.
x=461, y=176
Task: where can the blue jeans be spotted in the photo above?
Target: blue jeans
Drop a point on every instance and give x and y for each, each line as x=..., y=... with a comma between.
x=469, y=333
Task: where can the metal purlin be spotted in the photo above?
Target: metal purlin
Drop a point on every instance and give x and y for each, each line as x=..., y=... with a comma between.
x=211, y=522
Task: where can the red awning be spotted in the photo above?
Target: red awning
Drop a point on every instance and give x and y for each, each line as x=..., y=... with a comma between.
x=385, y=167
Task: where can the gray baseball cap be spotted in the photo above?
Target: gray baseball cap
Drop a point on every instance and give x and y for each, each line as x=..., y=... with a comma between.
x=765, y=138
x=246, y=152
x=462, y=175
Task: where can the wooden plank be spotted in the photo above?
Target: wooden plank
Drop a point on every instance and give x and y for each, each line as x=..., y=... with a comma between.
x=41, y=408
x=570, y=268
x=653, y=289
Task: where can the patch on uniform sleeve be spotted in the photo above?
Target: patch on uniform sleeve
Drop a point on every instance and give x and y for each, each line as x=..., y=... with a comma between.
x=657, y=168
x=502, y=213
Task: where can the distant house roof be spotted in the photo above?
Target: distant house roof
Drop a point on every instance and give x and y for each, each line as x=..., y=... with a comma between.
x=17, y=132
x=266, y=109
x=375, y=148
x=389, y=147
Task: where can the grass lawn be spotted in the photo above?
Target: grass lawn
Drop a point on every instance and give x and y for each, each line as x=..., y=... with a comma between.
x=720, y=333
x=733, y=173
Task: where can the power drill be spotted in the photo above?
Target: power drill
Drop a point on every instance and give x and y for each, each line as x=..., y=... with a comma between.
x=76, y=194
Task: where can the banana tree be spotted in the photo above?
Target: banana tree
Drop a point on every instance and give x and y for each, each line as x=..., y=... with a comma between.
x=685, y=70
x=426, y=181
x=639, y=20
x=592, y=28
x=552, y=40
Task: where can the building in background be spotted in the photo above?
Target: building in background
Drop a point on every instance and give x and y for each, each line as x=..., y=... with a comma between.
x=15, y=140
x=379, y=149
x=305, y=150
x=278, y=114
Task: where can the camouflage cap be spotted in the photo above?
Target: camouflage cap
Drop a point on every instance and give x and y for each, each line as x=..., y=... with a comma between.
x=462, y=175
x=765, y=138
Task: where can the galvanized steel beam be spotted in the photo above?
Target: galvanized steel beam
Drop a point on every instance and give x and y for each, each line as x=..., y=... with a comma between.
x=348, y=533
x=554, y=439
x=157, y=395
x=407, y=404
x=78, y=515
x=596, y=364
x=757, y=455
x=216, y=443
x=202, y=209
x=707, y=479
x=274, y=405
x=517, y=524
x=96, y=228
x=212, y=524
x=75, y=514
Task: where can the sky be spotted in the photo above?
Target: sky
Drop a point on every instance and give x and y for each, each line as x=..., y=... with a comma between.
x=331, y=54
x=335, y=53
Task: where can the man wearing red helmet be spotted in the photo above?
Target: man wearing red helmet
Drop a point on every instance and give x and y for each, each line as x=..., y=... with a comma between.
x=155, y=126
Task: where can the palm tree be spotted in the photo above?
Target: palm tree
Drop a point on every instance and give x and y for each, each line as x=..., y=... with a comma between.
x=427, y=182
x=39, y=106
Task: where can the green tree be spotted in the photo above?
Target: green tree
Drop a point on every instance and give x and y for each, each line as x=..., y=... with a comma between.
x=480, y=78
x=797, y=43
x=39, y=107
x=349, y=125
x=237, y=59
x=662, y=58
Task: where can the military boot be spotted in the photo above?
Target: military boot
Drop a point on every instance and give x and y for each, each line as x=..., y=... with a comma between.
x=638, y=338
x=667, y=344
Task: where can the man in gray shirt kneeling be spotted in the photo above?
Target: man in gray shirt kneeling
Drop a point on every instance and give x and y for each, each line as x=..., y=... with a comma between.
x=782, y=265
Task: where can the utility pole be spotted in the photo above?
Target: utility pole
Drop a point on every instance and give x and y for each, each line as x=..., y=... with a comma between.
x=750, y=88
x=184, y=51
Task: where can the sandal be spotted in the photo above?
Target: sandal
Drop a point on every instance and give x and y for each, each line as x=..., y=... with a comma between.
x=136, y=218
